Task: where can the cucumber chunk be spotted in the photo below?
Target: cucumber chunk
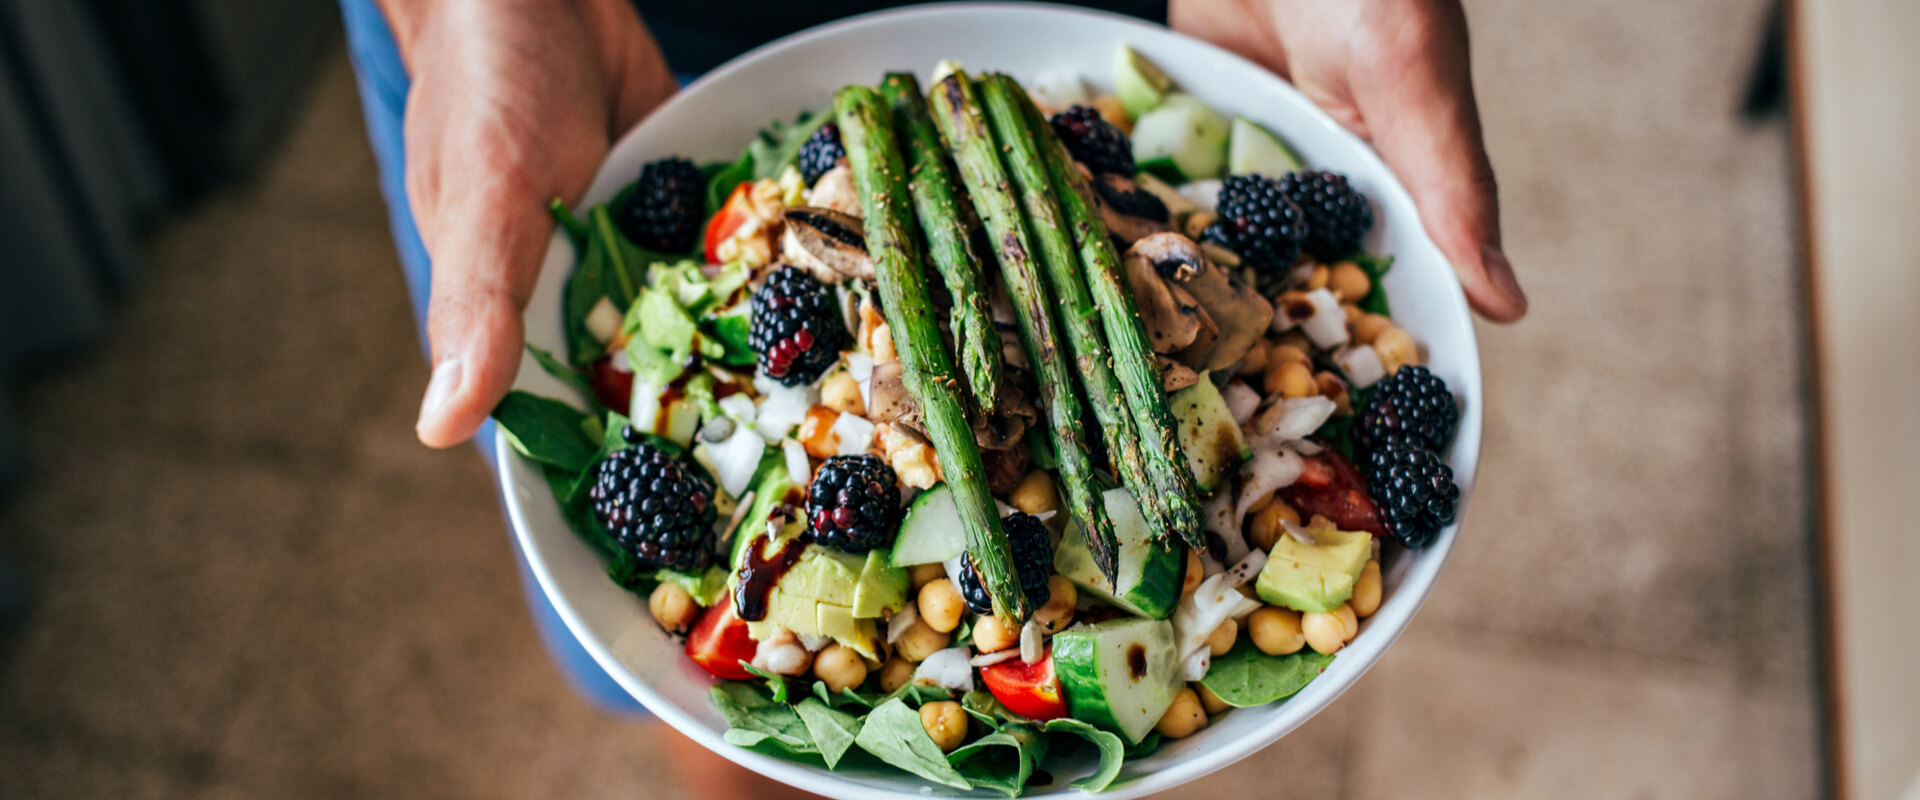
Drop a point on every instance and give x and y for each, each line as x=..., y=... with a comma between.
x=1252, y=150
x=930, y=533
x=1148, y=574
x=1120, y=675
x=1138, y=83
x=1185, y=132
x=1214, y=445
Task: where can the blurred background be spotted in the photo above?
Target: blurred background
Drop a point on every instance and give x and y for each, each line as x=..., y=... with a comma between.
x=227, y=569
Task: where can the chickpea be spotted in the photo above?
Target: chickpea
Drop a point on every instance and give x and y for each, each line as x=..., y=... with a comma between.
x=1291, y=379
x=1208, y=700
x=783, y=655
x=1255, y=361
x=923, y=574
x=1368, y=328
x=1283, y=353
x=1276, y=631
x=672, y=606
x=1349, y=622
x=940, y=605
x=1319, y=278
x=1396, y=348
x=1264, y=529
x=946, y=724
x=918, y=642
x=1335, y=389
x=1298, y=340
x=1057, y=614
x=839, y=667
x=1196, y=571
x=1221, y=640
x=1352, y=311
x=991, y=635
x=1325, y=633
x=895, y=673
x=842, y=393
x=1183, y=717
x=1366, y=591
x=1348, y=281
x=1036, y=493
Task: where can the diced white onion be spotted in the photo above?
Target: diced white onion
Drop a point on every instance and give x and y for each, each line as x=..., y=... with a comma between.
x=1205, y=194
x=947, y=669
x=1214, y=601
x=860, y=366
x=1308, y=447
x=799, y=468
x=1221, y=522
x=1195, y=665
x=855, y=434
x=733, y=520
x=1362, y=365
x=901, y=622
x=1241, y=400
x=1328, y=325
x=1269, y=470
x=1295, y=418
x=781, y=407
x=603, y=321
x=736, y=459
x=952, y=566
x=643, y=410
x=1058, y=89
x=995, y=657
x=1247, y=567
x=1032, y=645
x=814, y=644
x=1299, y=533
x=738, y=406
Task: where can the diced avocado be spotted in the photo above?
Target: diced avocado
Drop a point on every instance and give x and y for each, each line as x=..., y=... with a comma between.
x=823, y=576
x=930, y=532
x=1315, y=577
x=667, y=325
x=1120, y=675
x=773, y=489
x=1186, y=132
x=1148, y=573
x=1214, y=445
x=1138, y=83
x=881, y=589
x=1252, y=150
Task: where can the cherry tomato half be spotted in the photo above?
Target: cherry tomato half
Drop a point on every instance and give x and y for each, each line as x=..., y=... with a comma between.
x=719, y=642
x=1030, y=690
x=728, y=219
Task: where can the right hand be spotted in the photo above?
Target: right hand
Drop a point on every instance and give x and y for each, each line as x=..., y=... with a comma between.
x=513, y=103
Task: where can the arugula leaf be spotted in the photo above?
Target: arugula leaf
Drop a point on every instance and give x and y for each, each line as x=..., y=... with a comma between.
x=1003, y=760
x=776, y=683
x=833, y=730
x=779, y=145
x=893, y=734
x=754, y=718
x=1112, y=752
x=1245, y=676
x=1376, y=267
x=545, y=430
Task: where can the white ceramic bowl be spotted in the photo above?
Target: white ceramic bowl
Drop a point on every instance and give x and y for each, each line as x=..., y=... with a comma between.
x=714, y=118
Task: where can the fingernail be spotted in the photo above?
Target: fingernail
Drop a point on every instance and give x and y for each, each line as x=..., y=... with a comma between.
x=440, y=389
x=1500, y=270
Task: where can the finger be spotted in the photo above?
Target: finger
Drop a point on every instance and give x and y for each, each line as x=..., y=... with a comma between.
x=1416, y=94
x=486, y=239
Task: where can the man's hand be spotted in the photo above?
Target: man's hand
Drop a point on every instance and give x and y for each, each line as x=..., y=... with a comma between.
x=1394, y=72
x=513, y=103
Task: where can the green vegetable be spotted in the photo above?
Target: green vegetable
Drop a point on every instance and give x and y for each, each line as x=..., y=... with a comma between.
x=1112, y=752
x=753, y=718
x=778, y=145
x=833, y=730
x=866, y=130
x=575, y=227
x=892, y=732
x=1245, y=676
x=1002, y=760
x=721, y=178
x=1376, y=266
x=546, y=430
x=707, y=587
x=567, y=374
x=611, y=267
x=776, y=683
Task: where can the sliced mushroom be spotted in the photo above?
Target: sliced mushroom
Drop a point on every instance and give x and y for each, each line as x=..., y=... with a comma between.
x=1240, y=313
x=827, y=243
x=1130, y=212
x=889, y=401
x=1172, y=316
x=887, y=397
x=835, y=190
x=1174, y=375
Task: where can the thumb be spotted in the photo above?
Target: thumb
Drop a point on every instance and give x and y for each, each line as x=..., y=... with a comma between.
x=488, y=237
x=1416, y=94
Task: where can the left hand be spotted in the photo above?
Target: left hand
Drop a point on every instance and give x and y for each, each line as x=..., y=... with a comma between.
x=1394, y=72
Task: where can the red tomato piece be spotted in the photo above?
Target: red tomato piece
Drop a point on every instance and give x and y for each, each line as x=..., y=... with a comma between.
x=1030, y=690
x=719, y=642
x=613, y=387
x=1331, y=488
x=728, y=219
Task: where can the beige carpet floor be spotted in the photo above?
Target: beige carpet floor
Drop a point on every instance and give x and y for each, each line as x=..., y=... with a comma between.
x=254, y=583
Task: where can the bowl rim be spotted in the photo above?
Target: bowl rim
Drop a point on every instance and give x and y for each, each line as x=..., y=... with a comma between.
x=1356, y=658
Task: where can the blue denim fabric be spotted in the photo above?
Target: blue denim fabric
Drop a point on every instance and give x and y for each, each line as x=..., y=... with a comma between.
x=383, y=95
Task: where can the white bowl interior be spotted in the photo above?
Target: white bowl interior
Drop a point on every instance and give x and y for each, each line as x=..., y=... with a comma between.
x=714, y=118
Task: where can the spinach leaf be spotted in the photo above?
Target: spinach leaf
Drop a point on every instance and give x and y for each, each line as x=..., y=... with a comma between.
x=1245, y=676
x=545, y=430
x=1112, y=752
x=566, y=373
x=848, y=697
x=983, y=706
x=753, y=718
x=1376, y=266
x=612, y=438
x=833, y=730
x=893, y=734
x=917, y=695
x=1003, y=760
x=776, y=683
x=722, y=178
x=576, y=229
x=1146, y=747
x=779, y=145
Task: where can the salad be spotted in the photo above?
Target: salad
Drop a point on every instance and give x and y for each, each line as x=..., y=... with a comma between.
x=957, y=430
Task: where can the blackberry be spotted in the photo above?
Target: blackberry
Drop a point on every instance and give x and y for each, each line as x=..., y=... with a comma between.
x=1413, y=489
x=656, y=507
x=820, y=152
x=1337, y=214
x=1258, y=222
x=1032, y=562
x=854, y=503
x=1094, y=141
x=666, y=207
x=1412, y=405
x=796, y=329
